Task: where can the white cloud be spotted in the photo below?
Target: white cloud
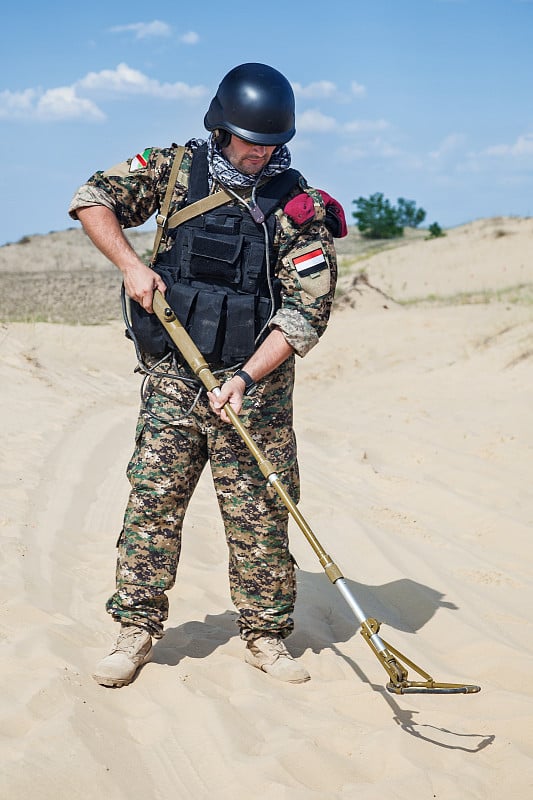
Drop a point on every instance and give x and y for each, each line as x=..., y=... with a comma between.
x=122, y=79
x=54, y=104
x=514, y=159
x=75, y=101
x=191, y=37
x=315, y=90
x=358, y=89
x=327, y=90
x=144, y=30
x=314, y=121
x=449, y=145
x=523, y=146
x=374, y=148
x=126, y=80
x=366, y=126
x=347, y=154
x=17, y=104
x=64, y=103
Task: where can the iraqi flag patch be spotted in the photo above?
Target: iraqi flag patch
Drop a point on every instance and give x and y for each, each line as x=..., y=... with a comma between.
x=310, y=261
x=141, y=160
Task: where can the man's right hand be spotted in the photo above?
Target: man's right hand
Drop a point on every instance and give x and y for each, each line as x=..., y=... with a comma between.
x=140, y=283
x=102, y=227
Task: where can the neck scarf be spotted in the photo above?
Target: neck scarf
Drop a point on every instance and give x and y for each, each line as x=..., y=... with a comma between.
x=221, y=170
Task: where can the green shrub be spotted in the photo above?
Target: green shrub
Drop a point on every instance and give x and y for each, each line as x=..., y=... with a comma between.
x=377, y=218
x=435, y=231
x=409, y=214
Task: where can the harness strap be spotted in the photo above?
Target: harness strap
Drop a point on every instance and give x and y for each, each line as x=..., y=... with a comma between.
x=286, y=181
x=161, y=218
x=199, y=207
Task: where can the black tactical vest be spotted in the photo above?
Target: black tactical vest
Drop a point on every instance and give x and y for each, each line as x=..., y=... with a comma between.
x=216, y=274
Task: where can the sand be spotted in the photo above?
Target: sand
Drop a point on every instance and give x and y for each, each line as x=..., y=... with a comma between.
x=415, y=434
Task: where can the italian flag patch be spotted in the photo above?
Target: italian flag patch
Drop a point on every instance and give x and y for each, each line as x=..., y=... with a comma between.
x=310, y=262
x=141, y=160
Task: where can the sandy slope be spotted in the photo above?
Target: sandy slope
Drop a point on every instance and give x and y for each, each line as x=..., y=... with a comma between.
x=416, y=441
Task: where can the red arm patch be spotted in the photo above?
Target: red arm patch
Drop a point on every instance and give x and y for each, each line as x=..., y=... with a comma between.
x=301, y=209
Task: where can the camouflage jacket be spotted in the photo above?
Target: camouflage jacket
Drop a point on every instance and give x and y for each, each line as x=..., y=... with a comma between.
x=135, y=188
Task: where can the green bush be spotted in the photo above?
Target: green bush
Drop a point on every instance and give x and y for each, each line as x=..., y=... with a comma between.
x=435, y=231
x=377, y=218
x=409, y=214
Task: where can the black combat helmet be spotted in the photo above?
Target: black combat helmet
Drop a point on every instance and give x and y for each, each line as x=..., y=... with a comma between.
x=256, y=103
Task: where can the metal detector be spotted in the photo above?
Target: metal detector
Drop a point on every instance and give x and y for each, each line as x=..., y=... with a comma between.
x=394, y=662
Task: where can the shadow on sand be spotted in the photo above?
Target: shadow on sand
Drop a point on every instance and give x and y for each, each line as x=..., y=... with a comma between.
x=324, y=621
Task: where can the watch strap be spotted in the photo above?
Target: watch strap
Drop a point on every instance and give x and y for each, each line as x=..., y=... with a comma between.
x=249, y=384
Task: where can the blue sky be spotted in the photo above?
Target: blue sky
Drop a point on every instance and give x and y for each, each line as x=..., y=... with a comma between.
x=430, y=100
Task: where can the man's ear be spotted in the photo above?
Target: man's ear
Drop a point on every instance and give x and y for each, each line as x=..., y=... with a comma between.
x=222, y=137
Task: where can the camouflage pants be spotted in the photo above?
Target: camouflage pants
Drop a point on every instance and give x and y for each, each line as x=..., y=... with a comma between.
x=164, y=471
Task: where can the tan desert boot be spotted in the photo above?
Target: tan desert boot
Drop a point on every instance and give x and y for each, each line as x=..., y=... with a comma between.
x=269, y=654
x=130, y=652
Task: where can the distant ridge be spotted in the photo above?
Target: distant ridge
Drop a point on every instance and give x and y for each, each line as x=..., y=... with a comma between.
x=61, y=277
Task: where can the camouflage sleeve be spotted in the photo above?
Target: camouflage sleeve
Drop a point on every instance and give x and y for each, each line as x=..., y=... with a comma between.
x=300, y=335
x=88, y=195
x=307, y=269
x=132, y=189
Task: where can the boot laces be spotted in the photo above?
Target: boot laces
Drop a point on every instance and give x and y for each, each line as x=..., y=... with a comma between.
x=129, y=640
x=277, y=646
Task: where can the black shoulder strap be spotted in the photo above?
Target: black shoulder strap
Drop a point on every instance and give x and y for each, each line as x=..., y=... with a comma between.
x=198, y=178
x=274, y=190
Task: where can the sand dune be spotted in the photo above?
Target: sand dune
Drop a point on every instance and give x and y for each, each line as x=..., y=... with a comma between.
x=416, y=442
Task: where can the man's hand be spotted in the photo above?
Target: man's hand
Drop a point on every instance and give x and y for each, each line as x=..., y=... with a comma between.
x=271, y=353
x=140, y=283
x=102, y=227
x=231, y=392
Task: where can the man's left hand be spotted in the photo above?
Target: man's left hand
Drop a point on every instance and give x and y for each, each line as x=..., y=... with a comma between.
x=231, y=392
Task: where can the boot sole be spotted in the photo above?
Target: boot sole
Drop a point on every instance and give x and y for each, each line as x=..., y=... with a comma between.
x=118, y=683
x=280, y=680
x=112, y=684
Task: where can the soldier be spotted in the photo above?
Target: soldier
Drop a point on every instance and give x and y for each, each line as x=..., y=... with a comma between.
x=253, y=281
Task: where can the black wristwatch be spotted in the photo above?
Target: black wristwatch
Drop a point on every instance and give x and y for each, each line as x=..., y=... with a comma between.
x=249, y=384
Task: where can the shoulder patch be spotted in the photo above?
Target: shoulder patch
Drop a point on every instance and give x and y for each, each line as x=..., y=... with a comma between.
x=309, y=260
x=140, y=161
x=312, y=268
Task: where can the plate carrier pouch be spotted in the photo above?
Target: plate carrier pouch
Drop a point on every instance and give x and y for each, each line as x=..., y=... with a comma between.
x=215, y=272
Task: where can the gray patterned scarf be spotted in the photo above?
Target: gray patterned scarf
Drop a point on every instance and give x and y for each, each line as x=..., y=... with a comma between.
x=225, y=173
